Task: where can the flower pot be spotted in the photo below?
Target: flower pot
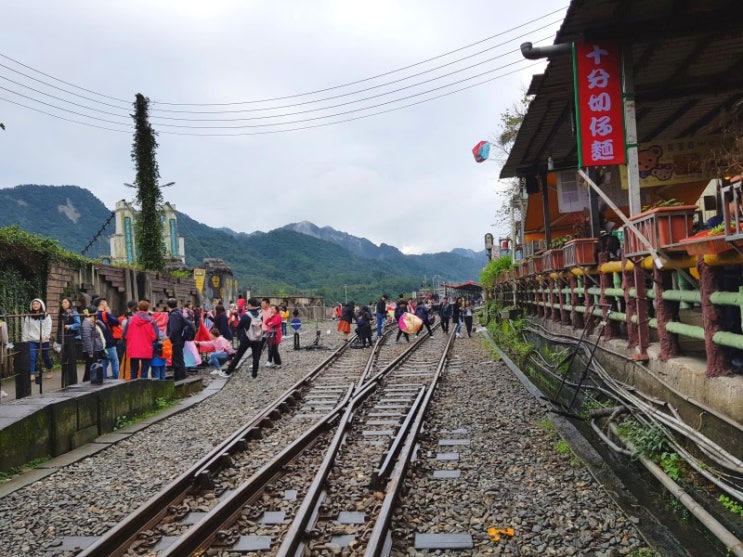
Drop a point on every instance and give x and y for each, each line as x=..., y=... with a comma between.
x=580, y=252
x=664, y=227
x=704, y=244
x=553, y=260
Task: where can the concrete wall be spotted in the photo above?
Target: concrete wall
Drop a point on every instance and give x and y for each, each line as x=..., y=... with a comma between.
x=58, y=423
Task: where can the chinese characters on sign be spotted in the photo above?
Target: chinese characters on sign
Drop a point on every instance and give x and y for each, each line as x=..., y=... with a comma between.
x=599, y=104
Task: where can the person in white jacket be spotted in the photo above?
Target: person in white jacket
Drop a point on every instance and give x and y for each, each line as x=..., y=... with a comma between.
x=37, y=330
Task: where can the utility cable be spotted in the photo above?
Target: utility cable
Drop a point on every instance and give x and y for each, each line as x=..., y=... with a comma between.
x=300, y=128
x=65, y=119
x=287, y=96
x=378, y=75
x=300, y=121
x=271, y=116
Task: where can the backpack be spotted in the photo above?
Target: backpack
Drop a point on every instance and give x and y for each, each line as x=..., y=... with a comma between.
x=115, y=328
x=361, y=320
x=189, y=330
x=254, y=332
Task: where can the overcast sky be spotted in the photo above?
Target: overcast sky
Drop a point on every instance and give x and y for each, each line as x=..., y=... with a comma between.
x=405, y=177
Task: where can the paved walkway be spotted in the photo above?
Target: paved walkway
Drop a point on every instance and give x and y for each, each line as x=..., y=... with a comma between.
x=50, y=383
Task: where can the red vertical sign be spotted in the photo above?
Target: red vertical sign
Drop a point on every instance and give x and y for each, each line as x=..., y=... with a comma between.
x=599, y=104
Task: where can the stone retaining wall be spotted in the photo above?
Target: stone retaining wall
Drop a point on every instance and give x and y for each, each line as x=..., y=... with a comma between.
x=66, y=420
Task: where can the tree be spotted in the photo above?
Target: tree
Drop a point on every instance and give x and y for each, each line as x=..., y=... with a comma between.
x=511, y=121
x=149, y=232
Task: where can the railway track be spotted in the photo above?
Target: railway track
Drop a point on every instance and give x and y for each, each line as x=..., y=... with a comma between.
x=252, y=492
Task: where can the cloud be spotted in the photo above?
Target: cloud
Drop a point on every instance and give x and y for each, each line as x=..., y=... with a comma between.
x=406, y=178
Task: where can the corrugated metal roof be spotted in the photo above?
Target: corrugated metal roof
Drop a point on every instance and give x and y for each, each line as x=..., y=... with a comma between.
x=687, y=59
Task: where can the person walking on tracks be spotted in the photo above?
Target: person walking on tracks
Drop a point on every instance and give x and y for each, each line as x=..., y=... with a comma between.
x=380, y=313
x=457, y=316
x=250, y=333
x=445, y=310
x=344, y=323
x=364, y=330
x=402, y=308
x=468, y=315
x=273, y=336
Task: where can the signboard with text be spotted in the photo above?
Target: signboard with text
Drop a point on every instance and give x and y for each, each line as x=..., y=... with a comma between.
x=670, y=162
x=598, y=99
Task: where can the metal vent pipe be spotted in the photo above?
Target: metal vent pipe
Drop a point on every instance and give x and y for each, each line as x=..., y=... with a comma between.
x=530, y=52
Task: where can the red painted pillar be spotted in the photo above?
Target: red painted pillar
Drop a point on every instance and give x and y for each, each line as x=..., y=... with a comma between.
x=643, y=329
x=709, y=282
x=663, y=314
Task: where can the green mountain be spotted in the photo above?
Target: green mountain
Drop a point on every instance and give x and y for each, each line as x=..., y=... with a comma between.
x=310, y=260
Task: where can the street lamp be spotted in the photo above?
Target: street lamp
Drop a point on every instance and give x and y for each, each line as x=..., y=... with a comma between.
x=489, y=245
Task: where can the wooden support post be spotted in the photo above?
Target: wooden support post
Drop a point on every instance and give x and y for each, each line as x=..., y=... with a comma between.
x=709, y=282
x=664, y=311
x=643, y=328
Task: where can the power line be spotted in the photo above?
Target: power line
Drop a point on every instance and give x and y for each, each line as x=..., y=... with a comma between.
x=378, y=75
x=63, y=118
x=333, y=97
x=287, y=96
x=155, y=117
x=266, y=132
x=300, y=121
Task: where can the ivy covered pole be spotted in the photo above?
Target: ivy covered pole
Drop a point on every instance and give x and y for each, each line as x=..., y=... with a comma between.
x=149, y=234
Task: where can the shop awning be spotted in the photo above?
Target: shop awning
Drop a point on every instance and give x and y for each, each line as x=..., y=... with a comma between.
x=687, y=79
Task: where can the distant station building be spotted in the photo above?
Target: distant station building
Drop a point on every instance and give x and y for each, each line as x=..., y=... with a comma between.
x=123, y=243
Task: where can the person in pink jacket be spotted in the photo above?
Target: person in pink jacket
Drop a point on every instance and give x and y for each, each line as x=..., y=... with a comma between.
x=220, y=348
x=273, y=336
x=140, y=334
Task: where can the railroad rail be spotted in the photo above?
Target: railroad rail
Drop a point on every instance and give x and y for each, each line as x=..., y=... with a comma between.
x=202, y=508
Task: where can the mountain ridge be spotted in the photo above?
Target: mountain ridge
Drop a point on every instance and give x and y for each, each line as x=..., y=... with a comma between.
x=298, y=257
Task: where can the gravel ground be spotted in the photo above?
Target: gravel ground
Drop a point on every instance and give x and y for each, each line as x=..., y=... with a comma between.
x=511, y=474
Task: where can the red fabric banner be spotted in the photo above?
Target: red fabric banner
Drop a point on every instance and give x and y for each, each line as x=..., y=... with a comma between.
x=599, y=103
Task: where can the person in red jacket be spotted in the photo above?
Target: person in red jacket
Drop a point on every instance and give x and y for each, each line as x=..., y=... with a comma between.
x=273, y=336
x=140, y=335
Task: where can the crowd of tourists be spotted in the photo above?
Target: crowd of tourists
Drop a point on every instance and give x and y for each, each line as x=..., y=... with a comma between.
x=147, y=339
x=459, y=312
